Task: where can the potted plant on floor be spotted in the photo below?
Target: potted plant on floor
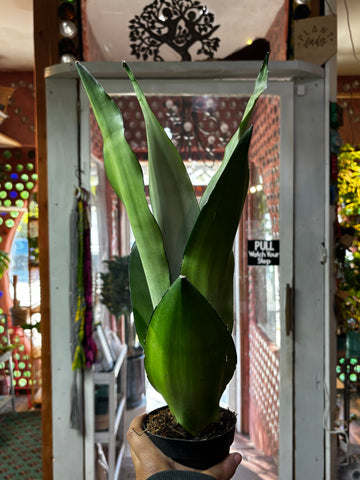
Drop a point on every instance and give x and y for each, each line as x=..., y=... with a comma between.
x=181, y=271
x=115, y=295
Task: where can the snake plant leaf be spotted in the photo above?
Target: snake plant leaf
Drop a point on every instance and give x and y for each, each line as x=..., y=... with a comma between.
x=189, y=355
x=207, y=254
x=260, y=86
x=225, y=292
x=172, y=195
x=140, y=295
x=125, y=175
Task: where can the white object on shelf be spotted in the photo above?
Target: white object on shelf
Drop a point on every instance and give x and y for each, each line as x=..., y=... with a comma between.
x=114, y=436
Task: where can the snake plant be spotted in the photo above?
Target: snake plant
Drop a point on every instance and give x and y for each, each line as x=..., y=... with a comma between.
x=181, y=267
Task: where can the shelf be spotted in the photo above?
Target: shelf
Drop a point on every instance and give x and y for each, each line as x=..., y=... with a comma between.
x=4, y=357
x=103, y=436
x=103, y=378
x=278, y=70
x=119, y=460
x=114, y=436
x=120, y=412
x=13, y=209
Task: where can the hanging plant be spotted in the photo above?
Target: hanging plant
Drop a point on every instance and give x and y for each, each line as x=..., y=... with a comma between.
x=348, y=245
x=349, y=183
x=115, y=290
x=4, y=262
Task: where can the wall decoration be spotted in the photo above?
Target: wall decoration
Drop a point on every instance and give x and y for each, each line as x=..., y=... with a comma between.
x=105, y=31
x=315, y=39
x=18, y=179
x=178, y=25
x=301, y=10
x=84, y=348
x=70, y=32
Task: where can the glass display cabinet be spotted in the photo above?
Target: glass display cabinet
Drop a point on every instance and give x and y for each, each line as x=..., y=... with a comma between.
x=281, y=307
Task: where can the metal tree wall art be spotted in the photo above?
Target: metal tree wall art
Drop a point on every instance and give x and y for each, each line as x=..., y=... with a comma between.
x=196, y=127
x=177, y=24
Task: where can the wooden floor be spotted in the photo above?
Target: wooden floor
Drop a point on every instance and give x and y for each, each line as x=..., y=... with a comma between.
x=255, y=465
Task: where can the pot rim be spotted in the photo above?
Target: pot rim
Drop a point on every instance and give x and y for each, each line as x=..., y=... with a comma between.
x=208, y=439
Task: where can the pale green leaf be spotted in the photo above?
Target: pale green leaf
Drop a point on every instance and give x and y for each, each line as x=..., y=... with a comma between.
x=140, y=295
x=125, y=175
x=172, y=195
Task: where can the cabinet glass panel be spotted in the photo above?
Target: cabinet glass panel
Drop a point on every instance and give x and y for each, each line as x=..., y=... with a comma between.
x=200, y=126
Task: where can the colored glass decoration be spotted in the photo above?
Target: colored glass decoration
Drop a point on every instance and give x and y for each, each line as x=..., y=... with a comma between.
x=70, y=44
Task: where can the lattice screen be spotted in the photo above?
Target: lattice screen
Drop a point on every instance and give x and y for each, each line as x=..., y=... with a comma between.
x=264, y=384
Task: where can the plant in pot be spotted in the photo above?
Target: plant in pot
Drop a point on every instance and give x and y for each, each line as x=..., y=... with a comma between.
x=181, y=273
x=347, y=301
x=115, y=295
x=348, y=251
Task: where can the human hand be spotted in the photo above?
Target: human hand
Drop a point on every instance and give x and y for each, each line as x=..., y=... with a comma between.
x=148, y=459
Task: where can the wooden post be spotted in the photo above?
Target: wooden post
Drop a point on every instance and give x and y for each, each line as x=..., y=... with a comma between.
x=46, y=53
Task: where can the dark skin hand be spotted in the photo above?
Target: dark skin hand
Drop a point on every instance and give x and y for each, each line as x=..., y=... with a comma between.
x=148, y=459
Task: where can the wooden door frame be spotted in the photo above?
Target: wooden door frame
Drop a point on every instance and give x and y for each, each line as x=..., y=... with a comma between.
x=46, y=53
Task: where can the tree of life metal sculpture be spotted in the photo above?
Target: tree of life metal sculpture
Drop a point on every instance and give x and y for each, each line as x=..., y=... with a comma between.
x=179, y=25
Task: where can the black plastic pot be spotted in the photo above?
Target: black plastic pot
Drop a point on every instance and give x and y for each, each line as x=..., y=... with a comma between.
x=199, y=454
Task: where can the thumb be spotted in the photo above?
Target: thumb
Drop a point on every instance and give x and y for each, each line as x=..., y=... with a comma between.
x=225, y=469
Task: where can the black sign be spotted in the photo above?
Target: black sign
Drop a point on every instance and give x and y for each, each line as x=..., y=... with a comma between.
x=263, y=252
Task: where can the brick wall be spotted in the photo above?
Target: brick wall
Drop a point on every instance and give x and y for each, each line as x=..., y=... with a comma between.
x=277, y=34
